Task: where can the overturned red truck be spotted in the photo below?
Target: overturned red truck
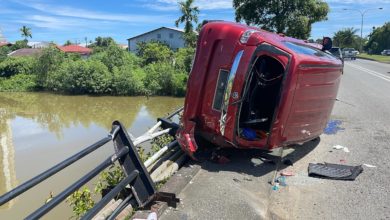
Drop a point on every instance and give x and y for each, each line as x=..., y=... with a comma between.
x=249, y=88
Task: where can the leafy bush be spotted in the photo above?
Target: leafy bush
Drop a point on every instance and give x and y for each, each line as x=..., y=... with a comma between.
x=109, y=178
x=154, y=52
x=17, y=65
x=19, y=44
x=183, y=59
x=128, y=81
x=179, y=84
x=112, y=56
x=163, y=79
x=4, y=50
x=81, y=201
x=18, y=83
x=81, y=77
x=50, y=60
x=110, y=70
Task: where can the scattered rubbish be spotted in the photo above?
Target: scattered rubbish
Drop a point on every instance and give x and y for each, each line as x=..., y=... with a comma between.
x=256, y=162
x=275, y=187
x=288, y=162
x=333, y=127
x=260, y=160
x=287, y=173
x=369, y=165
x=236, y=180
x=247, y=179
x=334, y=171
x=339, y=147
x=281, y=180
x=343, y=161
x=266, y=160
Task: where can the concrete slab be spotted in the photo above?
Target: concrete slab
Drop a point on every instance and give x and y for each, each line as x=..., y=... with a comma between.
x=239, y=189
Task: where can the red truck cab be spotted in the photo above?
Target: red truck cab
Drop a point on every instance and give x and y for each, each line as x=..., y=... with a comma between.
x=249, y=88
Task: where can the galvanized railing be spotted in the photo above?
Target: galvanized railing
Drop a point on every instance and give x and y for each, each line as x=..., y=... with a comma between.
x=137, y=178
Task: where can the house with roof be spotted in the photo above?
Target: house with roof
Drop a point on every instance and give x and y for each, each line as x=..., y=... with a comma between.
x=25, y=52
x=3, y=40
x=83, y=51
x=8, y=44
x=171, y=36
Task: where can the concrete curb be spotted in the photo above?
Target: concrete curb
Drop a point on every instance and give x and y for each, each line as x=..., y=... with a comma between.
x=174, y=185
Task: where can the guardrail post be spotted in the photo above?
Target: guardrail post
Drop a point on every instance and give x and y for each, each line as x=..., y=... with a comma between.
x=143, y=187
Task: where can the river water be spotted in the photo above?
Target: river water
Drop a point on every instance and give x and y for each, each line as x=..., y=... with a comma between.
x=38, y=130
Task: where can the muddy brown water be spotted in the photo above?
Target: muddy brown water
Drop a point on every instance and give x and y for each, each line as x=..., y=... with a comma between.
x=38, y=130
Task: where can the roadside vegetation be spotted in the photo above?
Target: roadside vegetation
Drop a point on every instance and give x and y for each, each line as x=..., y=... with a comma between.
x=373, y=44
x=110, y=70
x=379, y=58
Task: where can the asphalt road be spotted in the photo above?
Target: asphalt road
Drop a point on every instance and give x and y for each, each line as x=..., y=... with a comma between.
x=364, y=111
x=241, y=191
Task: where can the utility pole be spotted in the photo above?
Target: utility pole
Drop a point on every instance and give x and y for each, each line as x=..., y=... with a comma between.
x=362, y=13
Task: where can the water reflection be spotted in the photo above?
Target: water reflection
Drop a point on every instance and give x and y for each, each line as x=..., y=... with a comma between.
x=7, y=159
x=39, y=129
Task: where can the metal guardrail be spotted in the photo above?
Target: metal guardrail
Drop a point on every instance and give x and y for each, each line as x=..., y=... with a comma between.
x=137, y=178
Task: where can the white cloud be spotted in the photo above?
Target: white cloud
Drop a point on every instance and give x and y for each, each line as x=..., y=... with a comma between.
x=94, y=15
x=165, y=5
x=54, y=22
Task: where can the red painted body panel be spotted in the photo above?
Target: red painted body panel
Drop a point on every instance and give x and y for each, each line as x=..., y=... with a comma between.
x=306, y=98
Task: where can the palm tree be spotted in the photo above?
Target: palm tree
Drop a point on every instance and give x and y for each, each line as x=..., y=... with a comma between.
x=346, y=37
x=26, y=32
x=189, y=15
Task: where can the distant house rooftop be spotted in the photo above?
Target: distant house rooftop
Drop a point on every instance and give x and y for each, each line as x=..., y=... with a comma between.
x=5, y=44
x=146, y=33
x=75, y=49
x=173, y=37
x=25, y=52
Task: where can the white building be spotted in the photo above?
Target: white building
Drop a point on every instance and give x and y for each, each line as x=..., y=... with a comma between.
x=38, y=44
x=171, y=36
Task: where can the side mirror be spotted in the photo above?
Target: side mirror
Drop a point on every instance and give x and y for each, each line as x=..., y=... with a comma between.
x=326, y=43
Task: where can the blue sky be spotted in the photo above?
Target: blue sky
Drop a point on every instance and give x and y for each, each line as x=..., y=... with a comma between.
x=73, y=20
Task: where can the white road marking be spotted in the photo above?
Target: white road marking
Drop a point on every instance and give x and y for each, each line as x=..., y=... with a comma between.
x=371, y=72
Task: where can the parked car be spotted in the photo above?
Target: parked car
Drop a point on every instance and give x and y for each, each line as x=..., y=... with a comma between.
x=250, y=88
x=349, y=53
x=386, y=52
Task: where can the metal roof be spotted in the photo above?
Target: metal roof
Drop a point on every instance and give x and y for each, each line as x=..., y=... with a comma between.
x=174, y=29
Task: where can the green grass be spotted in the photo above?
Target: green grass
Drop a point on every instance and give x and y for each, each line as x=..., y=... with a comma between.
x=379, y=58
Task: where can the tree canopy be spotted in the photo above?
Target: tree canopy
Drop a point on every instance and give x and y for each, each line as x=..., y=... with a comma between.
x=379, y=40
x=346, y=37
x=291, y=17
